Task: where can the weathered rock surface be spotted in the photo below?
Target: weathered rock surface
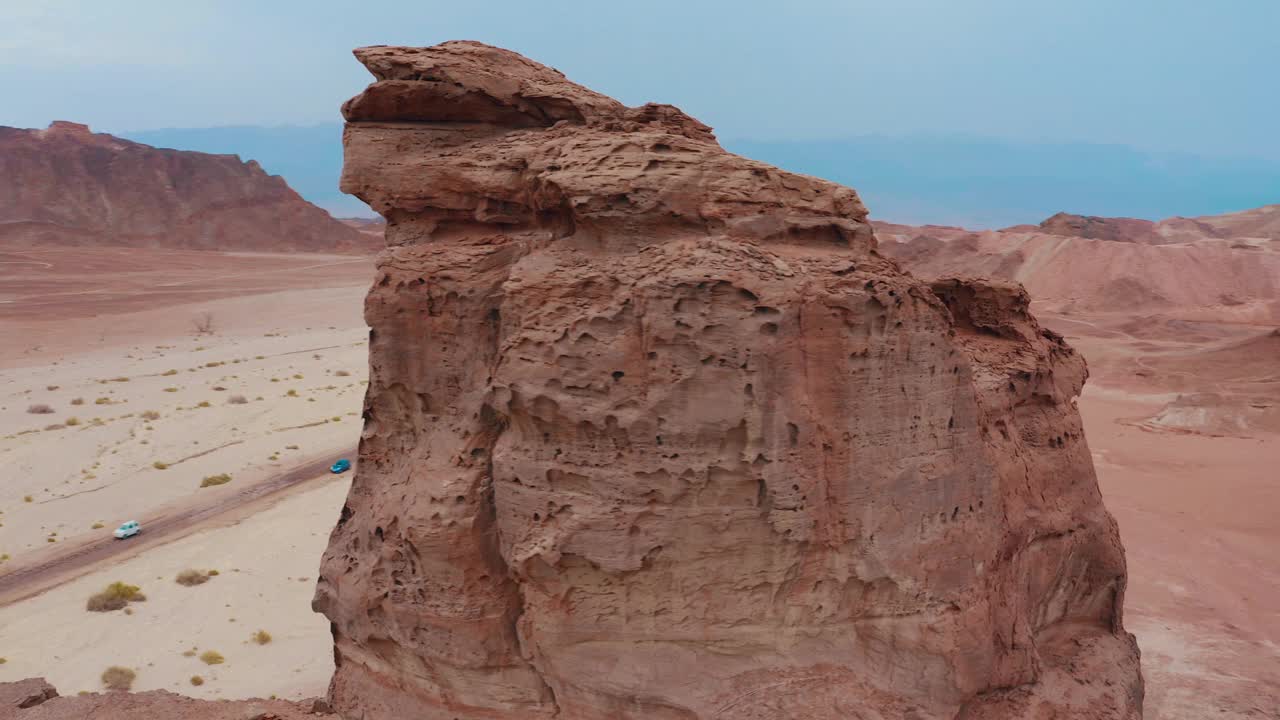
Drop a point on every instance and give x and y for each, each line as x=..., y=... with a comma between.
x=68, y=186
x=35, y=699
x=653, y=431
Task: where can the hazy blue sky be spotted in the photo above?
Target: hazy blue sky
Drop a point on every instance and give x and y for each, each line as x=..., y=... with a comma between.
x=1166, y=75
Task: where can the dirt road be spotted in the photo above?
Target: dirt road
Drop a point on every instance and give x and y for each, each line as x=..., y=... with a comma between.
x=50, y=568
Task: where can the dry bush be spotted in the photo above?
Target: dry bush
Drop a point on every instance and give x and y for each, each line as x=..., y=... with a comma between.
x=213, y=573
x=71, y=421
x=341, y=373
x=189, y=578
x=212, y=480
x=51, y=387
x=160, y=465
x=262, y=637
x=292, y=393
x=197, y=680
x=97, y=526
x=203, y=404
x=40, y=409
x=171, y=389
x=150, y=415
x=211, y=657
x=77, y=401
x=203, y=323
x=102, y=401
x=114, y=597
x=118, y=678
x=237, y=400
x=55, y=426
x=169, y=372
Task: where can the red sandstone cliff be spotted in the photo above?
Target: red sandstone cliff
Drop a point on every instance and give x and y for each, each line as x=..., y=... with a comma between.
x=654, y=432
x=68, y=186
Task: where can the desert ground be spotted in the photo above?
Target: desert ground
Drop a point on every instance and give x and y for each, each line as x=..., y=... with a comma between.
x=149, y=371
x=142, y=411
x=1195, y=495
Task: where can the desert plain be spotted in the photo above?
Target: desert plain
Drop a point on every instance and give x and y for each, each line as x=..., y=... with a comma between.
x=161, y=368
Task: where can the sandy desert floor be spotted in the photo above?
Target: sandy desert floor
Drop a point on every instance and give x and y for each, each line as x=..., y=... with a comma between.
x=1197, y=510
x=1196, y=507
x=142, y=409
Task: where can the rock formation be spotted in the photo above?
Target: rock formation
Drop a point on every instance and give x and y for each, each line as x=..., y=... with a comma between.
x=36, y=699
x=68, y=186
x=1223, y=268
x=653, y=431
x=1102, y=228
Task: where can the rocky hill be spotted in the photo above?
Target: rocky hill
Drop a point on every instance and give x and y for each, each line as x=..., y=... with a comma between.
x=66, y=185
x=1211, y=268
x=652, y=432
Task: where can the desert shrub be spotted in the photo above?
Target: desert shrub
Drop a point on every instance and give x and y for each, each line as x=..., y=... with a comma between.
x=150, y=415
x=51, y=387
x=71, y=421
x=262, y=637
x=102, y=401
x=26, y=498
x=203, y=323
x=203, y=404
x=160, y=465
x=167, y=373
x=171, y=389
x=77, y=401
x=55, y=426
x=218, y=388
x=341, y=373
x=197, y=680
x=212, y=480
x=189, y=578
x=3, y=660
x=212, y=657
x=213, y=573
x=237, y=400
x=114, y=597
x=297, y=376
x=96, y=526
x=292, y=393
x=40, y=409
x=118, y=678
x=120, y=379
x=189, y=653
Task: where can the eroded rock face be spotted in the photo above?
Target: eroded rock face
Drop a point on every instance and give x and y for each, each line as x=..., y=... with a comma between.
x=66, y=185
x=654, y=432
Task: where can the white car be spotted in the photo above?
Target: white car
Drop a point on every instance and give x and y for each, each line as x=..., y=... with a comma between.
x=128, y=529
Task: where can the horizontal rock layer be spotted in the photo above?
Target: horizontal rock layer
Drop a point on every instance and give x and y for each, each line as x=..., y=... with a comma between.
x=653, y=431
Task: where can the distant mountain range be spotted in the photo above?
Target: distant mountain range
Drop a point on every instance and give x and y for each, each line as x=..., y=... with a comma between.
x=952, y=181
x=66, y=185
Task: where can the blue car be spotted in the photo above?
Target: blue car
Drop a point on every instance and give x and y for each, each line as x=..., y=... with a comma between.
x=341, y=466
